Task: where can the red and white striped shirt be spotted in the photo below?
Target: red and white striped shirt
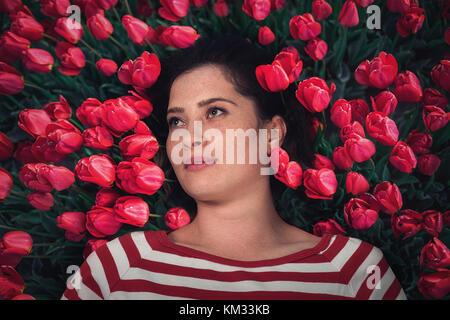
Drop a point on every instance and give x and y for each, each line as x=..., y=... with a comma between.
x=148, y=265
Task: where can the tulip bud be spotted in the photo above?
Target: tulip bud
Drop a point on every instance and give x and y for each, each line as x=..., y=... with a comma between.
x=101, y=222
x=176, y=218
x=106, y=197
x=136, y=29
x=359, y=215
x=6, y=147
x=321, y=9
x=385, y=102
x=321, y=161
x=356, y=183
x=6, y=184
x=316, y=49
x=402, y=157
x=272, y=77
x=71, y=30
x=289, y=59
x=420, y=142
x=382, y=128
x=90, y=113
x=11, y=283
x=327, y=227
x=106, y=66
x=37, y=60
x=432, y=222
x=434, y=118
x=221, y=8
x=380, y=72
x=428, y=164
x=265, y=36
x=98, y=138
x=358, y=148
x=320, y=184
x=342, y=159
x=350, y=129
x=432, y=97
x=73, y=222
x=407, y=87
x=440, y=74
x=98, y=169
x=406, y=222
x=42, y=201
x=58, y=110
x=341, y=113
x=132, y=210
x=100, y=27
x=435, y=284
x=360, y=110
x=314, y=87
x=410, y=22
x=173, y=10
x=139, y=176
x=26, y=26
x=11, y=46
x=13, y=246
x=304, y=27
x=389, y=197
x=11, y=80
x=258, y=10
x=179, y=36
x=348, y=17
x=72, y=58
x=435, y=254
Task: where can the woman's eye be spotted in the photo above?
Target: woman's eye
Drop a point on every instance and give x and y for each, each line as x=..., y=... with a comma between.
x=215, y=111
x=173, y=122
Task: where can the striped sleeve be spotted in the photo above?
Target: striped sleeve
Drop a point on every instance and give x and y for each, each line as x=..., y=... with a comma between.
x=97, y=275
x=374, y=278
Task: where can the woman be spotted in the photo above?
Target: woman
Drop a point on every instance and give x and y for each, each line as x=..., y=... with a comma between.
x=236, y=246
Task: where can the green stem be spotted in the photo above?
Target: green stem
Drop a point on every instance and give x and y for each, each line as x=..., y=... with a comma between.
x=152, y=47
x=18, y=194
x=169, y=180
x=282, y=98
x=119, y=45
x=50, y=37
x=76, y=124
x=155, y=215
x=90, y=48
x=32, y=85
x=127, y=5
x=117, y=14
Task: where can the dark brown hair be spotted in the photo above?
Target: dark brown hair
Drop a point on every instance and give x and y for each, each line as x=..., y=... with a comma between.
x=238, y=58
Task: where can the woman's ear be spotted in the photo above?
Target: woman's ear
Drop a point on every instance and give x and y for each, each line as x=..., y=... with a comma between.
x=276, y=140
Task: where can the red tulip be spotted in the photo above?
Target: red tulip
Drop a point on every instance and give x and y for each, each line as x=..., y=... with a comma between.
x=37, y=60
x=11, y=80
x=90, y=113
x=176, y=218
x=74, y=223
x=327, y=227
x=100, y=27
x=406, y=222
x=11, y=46
x=359, y=148
x=6, y=147
x=136, y=29
x=432, y=97
x=10, y=6
x=356, y=183
x=66, y=136
x=314, y=94
x=385, y=102
x=13, y=246
x=432, y=222
x=92, y=245
x=316, y=49
x=289, y=172
x=289, y=59
x=360, y=110
x=23, y=297
x=44, y=177
x=106, y=197
x=106, y=66
x=23, y=152
x=55, y=8
x=11, y=283
x=348, y=17
x=321, y=9
x=313, y=127
x=221, y=8
x=142, y=72
x=257, y=9
x=26, y=26
x=363, y=3
x=34, y=121
x=434, y=118
x=440, y=74
x=359, y=215
x=44, y=150
x=320, y=184
x=321, y=161
x=420, y=142
x=101, y=222
x=379, y=72
x=382, y=128
x=107, y=4
x=304, y=27
x=428, y=164
x=402, y=157
x=98, y=138
x=342, y=159
x=6, y=184
x=143, y=107
x=70, y=29
x=98, y=169
x=341, y=113
x=435, y=254
x=139, y=176
x=139, y=145
x=272, y=77
x=435, y=284
x=407, y=87
x=58, y=110
x=410, y=22
x=389, y=197
x=179, y=36
x=398, y=5
x=42, y=201
x=265, y=36
x=118, y=117
x=350, y=129
x=132, y=210
x=72, y=59
x=173, y=10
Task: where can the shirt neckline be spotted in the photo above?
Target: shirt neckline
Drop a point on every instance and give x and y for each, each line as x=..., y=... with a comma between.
x=162, y=236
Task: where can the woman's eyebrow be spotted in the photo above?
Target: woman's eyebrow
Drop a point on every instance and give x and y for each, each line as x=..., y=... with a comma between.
x=200, y=104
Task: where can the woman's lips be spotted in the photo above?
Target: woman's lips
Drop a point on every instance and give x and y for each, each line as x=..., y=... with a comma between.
x=198, y=163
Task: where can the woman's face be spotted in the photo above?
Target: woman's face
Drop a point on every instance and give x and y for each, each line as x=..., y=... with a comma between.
x=194, y=96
